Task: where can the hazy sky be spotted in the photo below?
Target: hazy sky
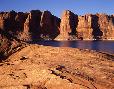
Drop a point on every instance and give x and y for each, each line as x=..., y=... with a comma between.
x=79, y=7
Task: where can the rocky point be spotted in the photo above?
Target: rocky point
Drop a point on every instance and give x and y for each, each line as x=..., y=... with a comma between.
x=17, y=27
x=30, y=66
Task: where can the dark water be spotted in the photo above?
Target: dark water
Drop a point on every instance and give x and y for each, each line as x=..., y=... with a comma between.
x=103, y=46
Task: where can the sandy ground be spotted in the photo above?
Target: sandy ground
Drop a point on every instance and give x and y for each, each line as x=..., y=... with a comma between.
x=43, y=67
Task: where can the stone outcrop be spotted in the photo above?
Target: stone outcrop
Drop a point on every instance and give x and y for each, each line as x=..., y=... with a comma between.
x=32, y=26
x=17, y=27
x=40, y=25
x=37, y=25
x=106, y=25
x=44, y=67
x=49, y=25
x=9, y=40
x=87, y=27
x=68, y=26
x=84, y=28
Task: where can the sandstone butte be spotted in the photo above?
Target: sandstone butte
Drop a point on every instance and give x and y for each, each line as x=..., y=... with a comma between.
x=19, y=27
x=25, y=66
x=37, y=25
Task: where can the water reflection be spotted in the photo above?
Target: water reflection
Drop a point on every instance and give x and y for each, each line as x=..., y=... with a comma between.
x=95, y=45
x=105, y=46
x=68, y=44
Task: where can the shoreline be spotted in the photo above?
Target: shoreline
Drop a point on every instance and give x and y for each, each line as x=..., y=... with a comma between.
x=37, y=66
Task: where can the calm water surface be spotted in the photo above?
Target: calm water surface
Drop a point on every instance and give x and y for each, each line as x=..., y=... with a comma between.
x=104, y=46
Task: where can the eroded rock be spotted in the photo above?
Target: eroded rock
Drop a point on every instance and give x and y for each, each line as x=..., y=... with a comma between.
x=57, y=68
x=68, y=26
x=49, y=25
x=84, y=28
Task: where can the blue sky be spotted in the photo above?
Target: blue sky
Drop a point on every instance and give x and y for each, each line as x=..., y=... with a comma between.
x=79, y=7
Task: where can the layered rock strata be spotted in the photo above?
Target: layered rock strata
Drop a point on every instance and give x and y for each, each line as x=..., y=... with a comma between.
x=106, y=25
x=49, y=25
x=36, y=25
x=68, y=26
x=87, y=27
x=10, y=27
x=18, y=27
x=84, y=28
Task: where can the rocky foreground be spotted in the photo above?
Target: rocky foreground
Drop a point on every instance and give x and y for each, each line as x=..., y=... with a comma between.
x=43, y=67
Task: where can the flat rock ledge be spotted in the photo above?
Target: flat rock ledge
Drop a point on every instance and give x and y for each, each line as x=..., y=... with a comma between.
x=44, y=67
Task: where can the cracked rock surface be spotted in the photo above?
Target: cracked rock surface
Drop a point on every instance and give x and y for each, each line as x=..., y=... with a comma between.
x=43, y=67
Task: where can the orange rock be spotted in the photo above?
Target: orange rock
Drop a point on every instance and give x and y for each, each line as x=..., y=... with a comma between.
x=106, y=25
x=68, y=25
x=84, y=28
x=49, y=25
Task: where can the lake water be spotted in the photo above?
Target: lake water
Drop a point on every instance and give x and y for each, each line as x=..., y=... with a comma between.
x=103, y=46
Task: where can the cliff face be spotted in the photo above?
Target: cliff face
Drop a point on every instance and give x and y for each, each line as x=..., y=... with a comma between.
x=106, y=25
x=18, y=27
x=84, y=28
x=87, y=27
x=38, y=25
x=9, y=30
x=32, y=26
x=68, y=26
x=49, y=25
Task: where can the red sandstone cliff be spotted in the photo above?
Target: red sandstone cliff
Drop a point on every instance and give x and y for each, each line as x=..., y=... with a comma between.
x=49, y=25
x=106, y=25
x=68, y=26
x=18, y=27
x=87, y=27
x=37, y=25
x=84, y=28
x=31, y=29
x=8, y=33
